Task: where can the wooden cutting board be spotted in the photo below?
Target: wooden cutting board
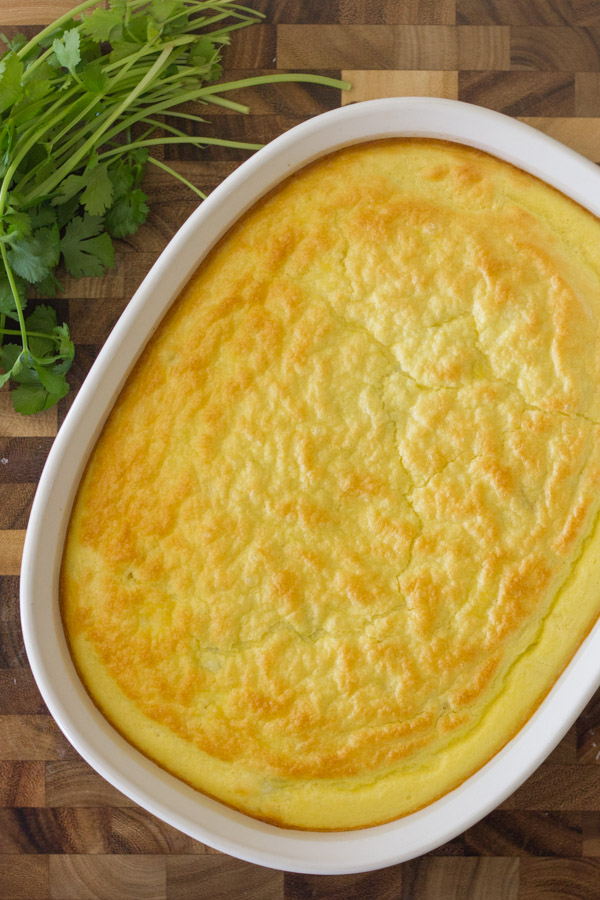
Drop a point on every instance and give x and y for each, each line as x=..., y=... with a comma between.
x=64, y=832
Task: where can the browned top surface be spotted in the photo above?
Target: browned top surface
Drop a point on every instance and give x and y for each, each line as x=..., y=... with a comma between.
x=64, y=833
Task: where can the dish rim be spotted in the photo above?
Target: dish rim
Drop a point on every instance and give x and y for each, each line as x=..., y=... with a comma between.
x=96, y=741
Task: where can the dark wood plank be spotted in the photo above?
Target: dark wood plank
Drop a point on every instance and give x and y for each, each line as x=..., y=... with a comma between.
x=19, y=693
x=436, y=878
x=12, y=649
x=560, y=788
x=590, y=832
x=22, y=459
x=357, y=12
x=221, y=877
x=392, y=47
x=92, y=320
x=588, y=733
x=79, y=877
x=587, y=94
x=24, y=878
x=520, y=93
x=32, y=738
x=253, y=48
x=528, y=12
x=386, y=884
x=22, y=783
x=259, y=130
x=513, y=834
x=99, y=829
x=558, y=49
x=74, y=783
x=559, y=879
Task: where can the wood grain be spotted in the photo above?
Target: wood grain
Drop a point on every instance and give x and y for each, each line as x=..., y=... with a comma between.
x=81, y=877
x=11, y=548
x=74, y=783
x=559, y=879
x=24, y=878
x=528, y=12
x=455, y=879
x=221, y=878
x=65, y=834
x=520, y=93
x=358, y=12
x=22, y=784
x=393, y=47
x=373, y=84
x=555, y=49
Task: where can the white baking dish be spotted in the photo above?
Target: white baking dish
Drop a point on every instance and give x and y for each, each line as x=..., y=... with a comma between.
x=122, y=765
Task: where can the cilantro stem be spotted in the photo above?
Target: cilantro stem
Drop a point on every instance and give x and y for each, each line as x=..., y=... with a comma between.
x=17, y=299
x=161, y=165
x=154, y=142
x=37, y=334
x=54, y=180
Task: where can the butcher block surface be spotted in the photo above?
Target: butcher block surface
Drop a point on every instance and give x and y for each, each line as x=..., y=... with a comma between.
x=65, y=833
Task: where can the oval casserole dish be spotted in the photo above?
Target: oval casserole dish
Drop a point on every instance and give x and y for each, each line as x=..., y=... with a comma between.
x=507, y=383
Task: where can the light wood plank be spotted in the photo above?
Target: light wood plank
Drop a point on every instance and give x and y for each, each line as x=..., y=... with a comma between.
x=13, y=424
x=581, y=134
x=11, y=550
x=34, y=12
x=374, y=83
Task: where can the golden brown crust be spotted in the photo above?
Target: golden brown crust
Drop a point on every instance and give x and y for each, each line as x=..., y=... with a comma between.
x=353, y=471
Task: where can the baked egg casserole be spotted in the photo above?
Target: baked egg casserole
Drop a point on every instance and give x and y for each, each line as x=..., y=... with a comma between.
x=338, y=537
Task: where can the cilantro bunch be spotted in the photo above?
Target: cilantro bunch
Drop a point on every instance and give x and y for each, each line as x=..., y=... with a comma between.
x=81, y=105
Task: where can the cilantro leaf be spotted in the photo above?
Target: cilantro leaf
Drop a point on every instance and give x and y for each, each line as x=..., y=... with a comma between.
x=94, y=78
x=66, y=49
x=42, y=215
x=104, y=25
x=54, y=382
x=86, y=248
x=164, y=9
x=66, y=348
x=11, y=77
x=7, y=301
x=34, y=257
x=121, y=176
x=48, y=286
x=15, y=43
x=127, y=214
x=32, y=398
x=68, y=188
x=9, y=354
x=19, y=224
x=98, y=194
x=42, y=320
